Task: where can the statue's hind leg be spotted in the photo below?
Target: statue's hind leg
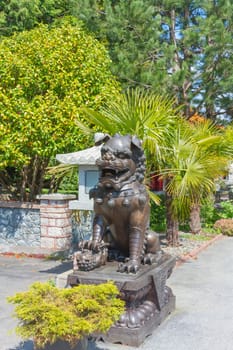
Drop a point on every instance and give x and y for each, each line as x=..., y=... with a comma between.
x=152, y=247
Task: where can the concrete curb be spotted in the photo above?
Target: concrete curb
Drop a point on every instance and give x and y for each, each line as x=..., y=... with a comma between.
x=193, y=254
x=33, y=252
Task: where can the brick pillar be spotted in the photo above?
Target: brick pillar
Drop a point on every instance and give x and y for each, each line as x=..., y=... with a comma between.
x=55, y=220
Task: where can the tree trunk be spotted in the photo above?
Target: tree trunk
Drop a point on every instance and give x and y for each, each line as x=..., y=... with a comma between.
x=32, y=178
x=195, y=219
x=23, y=185
x=36, y=181
x=172, y=223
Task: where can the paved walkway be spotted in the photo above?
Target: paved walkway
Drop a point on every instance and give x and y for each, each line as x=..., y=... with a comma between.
x=203, y=319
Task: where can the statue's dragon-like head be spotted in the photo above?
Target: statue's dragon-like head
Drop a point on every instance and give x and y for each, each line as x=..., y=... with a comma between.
x=122, y=160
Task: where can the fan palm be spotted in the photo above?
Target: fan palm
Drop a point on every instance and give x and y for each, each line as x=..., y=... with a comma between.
x=137, y=112
x=197, y=156
x=188, y=156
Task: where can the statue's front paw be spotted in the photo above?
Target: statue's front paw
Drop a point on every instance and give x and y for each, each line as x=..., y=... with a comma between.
x=129, y=266
x=88, y=259
x=91, y=245
x=90, y=256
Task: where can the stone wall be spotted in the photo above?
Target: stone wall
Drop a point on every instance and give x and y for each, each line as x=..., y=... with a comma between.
x=44, y=227
x=19, y=224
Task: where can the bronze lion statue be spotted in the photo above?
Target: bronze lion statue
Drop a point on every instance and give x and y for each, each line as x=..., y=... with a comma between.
x=121, y=205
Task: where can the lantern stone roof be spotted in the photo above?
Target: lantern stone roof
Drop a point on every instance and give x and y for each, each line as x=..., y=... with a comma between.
x=87, y=156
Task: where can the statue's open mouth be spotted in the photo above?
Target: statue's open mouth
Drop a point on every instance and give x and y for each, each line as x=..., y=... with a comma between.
x=114, y=174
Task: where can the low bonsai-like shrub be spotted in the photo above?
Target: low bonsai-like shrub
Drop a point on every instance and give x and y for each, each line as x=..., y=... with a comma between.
x=225, y=226
x=48, y=314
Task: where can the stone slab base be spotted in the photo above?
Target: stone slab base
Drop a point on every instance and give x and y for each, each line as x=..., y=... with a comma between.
x=136, y=336
x=147, y=298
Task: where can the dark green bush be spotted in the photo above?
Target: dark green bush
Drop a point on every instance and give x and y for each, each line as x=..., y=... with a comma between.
x=158, y=215
x=210, y=213
x=226, y=210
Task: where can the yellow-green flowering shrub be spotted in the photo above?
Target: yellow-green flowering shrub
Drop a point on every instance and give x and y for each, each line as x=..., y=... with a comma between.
x=48, y=314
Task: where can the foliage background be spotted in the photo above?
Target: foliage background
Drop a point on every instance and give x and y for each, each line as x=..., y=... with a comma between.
x=46, y=75
x=175, y=46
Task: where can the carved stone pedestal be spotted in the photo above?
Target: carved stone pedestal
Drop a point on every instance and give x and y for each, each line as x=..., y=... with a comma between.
x=148, y=300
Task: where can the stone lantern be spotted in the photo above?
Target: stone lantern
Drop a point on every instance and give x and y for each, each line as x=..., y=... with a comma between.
x=88, y=174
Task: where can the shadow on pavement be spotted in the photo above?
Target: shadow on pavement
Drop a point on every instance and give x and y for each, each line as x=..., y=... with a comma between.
x=63, y=267
x=26, y=345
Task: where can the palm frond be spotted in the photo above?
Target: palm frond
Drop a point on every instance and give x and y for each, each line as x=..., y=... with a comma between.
x=97, y=119
x=154, y=197
x=138, y=112
x=61, y=170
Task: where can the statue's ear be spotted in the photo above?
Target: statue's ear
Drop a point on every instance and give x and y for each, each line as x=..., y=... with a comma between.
x=136, y=142
x=100, y=138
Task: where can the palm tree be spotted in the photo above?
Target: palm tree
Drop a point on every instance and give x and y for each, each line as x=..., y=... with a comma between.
x=216, y=144
x=151, y=117
x=137, y=112
x=198, y=155
x=188, y=156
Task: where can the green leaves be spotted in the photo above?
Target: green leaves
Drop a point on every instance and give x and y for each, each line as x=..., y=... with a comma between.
x=197, y=158
x=137, y=112
x=47, y=313
x=46, y=75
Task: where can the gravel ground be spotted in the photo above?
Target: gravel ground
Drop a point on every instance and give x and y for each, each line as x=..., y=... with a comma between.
x=187, y=244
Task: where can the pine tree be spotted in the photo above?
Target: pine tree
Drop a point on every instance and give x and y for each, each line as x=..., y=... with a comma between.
x=217, y=62
x=175, y=46
x=132, y=31
x=19, y=15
